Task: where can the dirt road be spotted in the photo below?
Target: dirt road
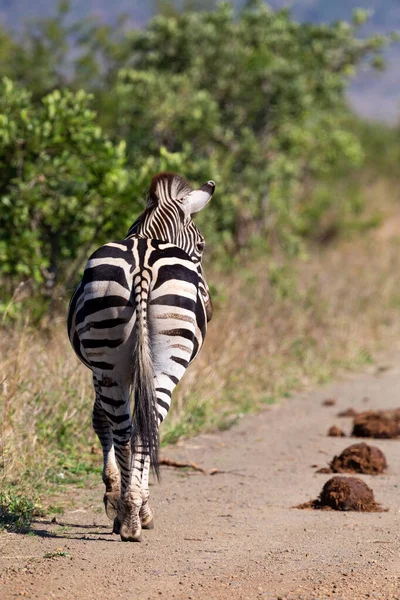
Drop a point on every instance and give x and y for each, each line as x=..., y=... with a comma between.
x=234, y=535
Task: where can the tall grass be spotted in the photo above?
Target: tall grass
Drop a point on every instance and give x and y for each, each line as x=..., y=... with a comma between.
x=277, y=328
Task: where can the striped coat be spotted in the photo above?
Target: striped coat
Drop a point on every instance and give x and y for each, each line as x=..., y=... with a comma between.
x=137, y=319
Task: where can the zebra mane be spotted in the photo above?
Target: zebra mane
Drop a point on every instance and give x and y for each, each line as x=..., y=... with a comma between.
x=164, y=186
x=167, y=185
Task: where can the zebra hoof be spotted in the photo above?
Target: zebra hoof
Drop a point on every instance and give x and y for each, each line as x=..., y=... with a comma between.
x=149, y=525
x=110, y=500
x=128, y=536
x=131, y=539
x=116, y=526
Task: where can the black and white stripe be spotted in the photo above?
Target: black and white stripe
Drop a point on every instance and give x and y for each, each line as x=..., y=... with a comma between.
x=137, y=319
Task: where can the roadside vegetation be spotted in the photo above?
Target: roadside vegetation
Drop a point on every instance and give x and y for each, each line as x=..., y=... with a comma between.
x=302, y=235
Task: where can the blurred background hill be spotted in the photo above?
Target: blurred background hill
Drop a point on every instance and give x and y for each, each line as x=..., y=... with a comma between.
x=372, y=96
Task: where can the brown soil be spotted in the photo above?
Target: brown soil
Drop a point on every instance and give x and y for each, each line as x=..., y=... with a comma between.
x=344, y=493
x=335, y=431
x=377, y=424
x=358, y=458
x=329, y=402
x=233, y=535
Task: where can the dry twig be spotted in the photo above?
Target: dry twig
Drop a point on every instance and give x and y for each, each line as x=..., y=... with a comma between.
x=191, y=465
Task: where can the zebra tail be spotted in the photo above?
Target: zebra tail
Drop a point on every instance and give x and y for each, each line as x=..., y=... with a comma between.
x=145, y=421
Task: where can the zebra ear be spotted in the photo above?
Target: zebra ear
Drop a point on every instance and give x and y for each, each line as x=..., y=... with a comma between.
x=197, y=199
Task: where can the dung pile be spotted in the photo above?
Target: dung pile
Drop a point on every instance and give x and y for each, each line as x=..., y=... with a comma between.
x=344, y=493
x=358, y=458
x=335, y=431
x=377, y=424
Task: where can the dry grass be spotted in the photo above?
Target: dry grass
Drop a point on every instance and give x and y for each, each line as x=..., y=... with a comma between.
x=45, y=408
x=267, y=338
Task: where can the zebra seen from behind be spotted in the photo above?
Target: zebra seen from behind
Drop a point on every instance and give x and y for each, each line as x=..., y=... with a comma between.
x=137, y=319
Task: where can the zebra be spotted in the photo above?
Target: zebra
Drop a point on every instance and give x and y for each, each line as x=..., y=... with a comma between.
x=137, y=319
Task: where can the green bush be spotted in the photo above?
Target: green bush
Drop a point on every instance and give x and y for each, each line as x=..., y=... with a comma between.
x=252, y=100
x=17, y=511
x=62, y=182
x=255, y=101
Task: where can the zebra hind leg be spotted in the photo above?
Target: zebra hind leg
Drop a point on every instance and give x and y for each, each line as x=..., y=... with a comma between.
x=131, y=516
x=111, y=477
x=164, y=387
x=146, y=515
x=114, y=405
x=128, y=521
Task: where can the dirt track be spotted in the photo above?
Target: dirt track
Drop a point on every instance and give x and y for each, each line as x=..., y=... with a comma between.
x=234, y=535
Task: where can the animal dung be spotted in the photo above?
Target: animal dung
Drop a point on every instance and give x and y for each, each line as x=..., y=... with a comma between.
x=377, y=424
x=335, y=431
x=328, y=402
x=345, y=494
x=348, y=493
x=349, y=412
x=358, y=458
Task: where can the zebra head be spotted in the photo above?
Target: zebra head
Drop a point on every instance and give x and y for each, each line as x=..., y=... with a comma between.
x=171, y=203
